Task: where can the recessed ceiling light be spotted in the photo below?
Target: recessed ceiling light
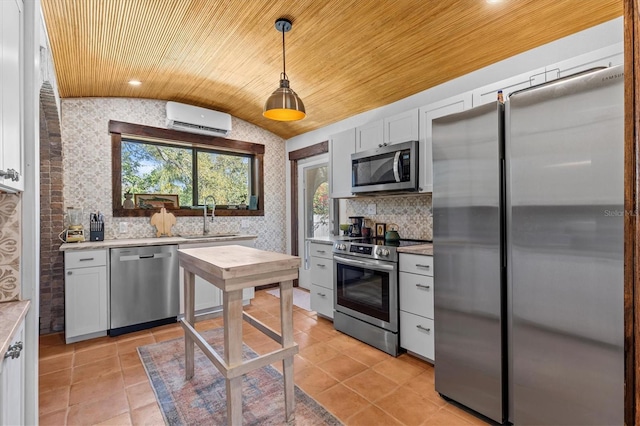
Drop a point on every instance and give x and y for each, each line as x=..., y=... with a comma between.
x=135, y=82
x=494, y=1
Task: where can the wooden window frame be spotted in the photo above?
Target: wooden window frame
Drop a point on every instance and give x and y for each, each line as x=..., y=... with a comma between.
x=175, y=137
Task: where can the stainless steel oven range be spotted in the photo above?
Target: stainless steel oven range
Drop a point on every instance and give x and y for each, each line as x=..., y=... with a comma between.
x=366, y=291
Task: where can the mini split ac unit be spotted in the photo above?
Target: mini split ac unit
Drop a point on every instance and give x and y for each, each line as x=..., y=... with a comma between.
x=189, y=118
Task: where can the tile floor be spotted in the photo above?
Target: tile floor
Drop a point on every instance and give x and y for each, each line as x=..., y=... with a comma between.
x=102, y=381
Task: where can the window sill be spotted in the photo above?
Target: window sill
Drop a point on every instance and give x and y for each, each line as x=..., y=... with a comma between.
x=184, y=212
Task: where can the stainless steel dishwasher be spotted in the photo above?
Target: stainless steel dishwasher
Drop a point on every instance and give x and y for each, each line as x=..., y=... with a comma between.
x=144, y=289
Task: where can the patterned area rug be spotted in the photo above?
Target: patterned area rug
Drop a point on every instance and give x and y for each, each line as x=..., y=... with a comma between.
x=301, y=298
x=202, y=401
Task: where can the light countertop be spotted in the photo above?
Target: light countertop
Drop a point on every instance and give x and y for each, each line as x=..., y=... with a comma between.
x=422, y=249
x=331, y=239
x=11, y=313
x=237, y=267
x=139, y=242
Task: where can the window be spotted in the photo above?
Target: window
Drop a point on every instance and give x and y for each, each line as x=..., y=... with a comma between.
x=196, y=168
x=154, y=168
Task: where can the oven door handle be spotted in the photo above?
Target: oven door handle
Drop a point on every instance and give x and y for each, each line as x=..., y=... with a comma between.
x=369, y=265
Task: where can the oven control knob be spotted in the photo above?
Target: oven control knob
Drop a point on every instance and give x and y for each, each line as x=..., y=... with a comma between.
x=382, y=252
x=340, y=246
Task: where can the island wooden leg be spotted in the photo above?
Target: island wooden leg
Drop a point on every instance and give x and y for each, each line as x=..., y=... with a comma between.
x=189, y=317
x=232, y=308
x=286, y=319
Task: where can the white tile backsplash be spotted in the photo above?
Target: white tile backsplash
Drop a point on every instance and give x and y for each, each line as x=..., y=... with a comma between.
x=86, y=146
x=412, y=213
x=10, y=246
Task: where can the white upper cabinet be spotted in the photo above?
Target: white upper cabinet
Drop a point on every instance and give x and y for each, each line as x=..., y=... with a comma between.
x=489, y=93
x=341, y=146
x=398, y=128
x=606, y=57
x=369, y=136
x=427, y=114
x=11, y=145
x=401, y=127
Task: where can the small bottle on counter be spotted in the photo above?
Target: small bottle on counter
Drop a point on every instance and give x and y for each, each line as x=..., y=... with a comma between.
x=500, y=97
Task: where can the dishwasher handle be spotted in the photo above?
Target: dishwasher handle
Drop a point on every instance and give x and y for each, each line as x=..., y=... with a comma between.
x=144, y=256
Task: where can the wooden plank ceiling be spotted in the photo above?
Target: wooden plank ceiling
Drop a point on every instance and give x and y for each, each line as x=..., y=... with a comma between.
x=343, y=56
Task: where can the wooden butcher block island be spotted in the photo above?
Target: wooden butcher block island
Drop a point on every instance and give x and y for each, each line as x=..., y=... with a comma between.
x=231, y=269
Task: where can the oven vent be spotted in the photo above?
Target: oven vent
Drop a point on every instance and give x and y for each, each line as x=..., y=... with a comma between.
x=189, y=118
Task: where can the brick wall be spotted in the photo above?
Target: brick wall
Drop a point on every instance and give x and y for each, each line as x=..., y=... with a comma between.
x=52, y=215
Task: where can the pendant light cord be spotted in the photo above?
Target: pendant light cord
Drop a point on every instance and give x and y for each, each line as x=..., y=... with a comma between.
x=284, y=66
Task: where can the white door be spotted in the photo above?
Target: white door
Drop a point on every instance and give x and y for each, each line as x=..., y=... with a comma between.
x=314, y=218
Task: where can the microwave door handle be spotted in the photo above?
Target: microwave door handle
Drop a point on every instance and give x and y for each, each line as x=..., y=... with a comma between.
x=375, y=267
x=396, y=166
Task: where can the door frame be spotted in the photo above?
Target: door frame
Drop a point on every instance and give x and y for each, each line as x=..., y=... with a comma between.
x=631, y=217
x=294, y=157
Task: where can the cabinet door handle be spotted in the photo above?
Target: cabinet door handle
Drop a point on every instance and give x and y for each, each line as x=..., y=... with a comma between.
x=322, y=295
x=86, y=259
x=321, y=265
x=69, y=273
x=426, y=287
x=10, y=174
x=420, y=265
x=321, y=251
x=13, y=351
x=419, y=327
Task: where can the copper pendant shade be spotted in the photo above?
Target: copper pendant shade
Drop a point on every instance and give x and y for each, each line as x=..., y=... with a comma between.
x=284, y=104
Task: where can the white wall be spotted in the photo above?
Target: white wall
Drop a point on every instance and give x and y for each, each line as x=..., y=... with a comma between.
x=86, y=165
x=594, y=38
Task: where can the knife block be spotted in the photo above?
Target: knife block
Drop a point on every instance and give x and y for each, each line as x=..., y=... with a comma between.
x=96, y=233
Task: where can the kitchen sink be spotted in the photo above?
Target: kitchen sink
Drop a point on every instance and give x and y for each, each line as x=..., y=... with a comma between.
x=201, y=236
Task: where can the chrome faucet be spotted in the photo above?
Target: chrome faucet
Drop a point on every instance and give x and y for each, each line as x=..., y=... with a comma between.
x=204, y=218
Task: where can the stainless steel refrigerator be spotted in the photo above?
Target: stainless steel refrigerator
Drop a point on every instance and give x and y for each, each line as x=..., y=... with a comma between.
x=528, y=254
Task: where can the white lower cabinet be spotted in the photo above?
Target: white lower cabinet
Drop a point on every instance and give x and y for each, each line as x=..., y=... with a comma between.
x=322, y=300
x=208, y=298
x=321, y=289
x=86, y=296
x=416, y=335
x=12, y=381
x=416, y=305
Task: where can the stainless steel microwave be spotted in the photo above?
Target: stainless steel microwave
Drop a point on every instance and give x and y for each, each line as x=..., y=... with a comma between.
x=388, y=168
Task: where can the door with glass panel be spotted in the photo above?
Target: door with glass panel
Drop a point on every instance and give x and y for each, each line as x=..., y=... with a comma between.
x=313, y=209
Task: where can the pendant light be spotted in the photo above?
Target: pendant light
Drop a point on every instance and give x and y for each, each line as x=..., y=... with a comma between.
x=284, y=104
